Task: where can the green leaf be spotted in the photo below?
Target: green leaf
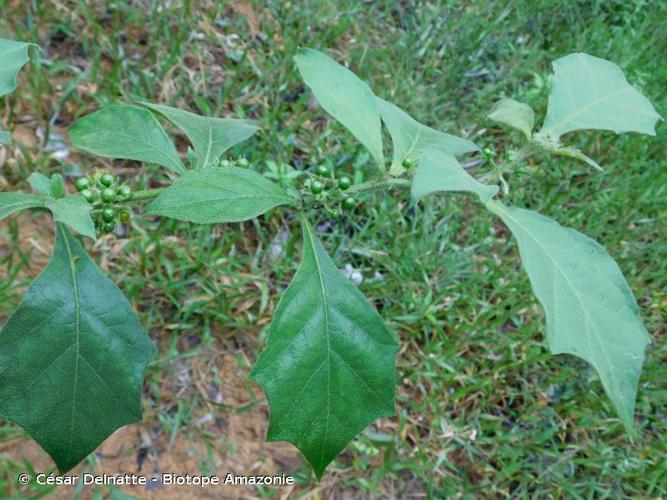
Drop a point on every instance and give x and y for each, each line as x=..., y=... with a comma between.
x=13, y=55
x=72, y=357
x=440, y=171
x=328, y=370
x=14, y=202
x=515, y=114
x=211, y=137
x=5, y=138
x=53, y=187
x=411, y=138
x=128, y=132
x=216, y=195
x=591, y=93
x=590, y=309
x=344, y=96
x=578, y=155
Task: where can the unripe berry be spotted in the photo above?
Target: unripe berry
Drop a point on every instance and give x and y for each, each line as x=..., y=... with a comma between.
x=107, y=180
x=82, y=183
x=407, y=163
x=242, y=162
x=124, y=216
x=108, y=214
x=344, y=183
x=88, y=195
x=124, y=192
x=487, y=153
x=349, y=203
x=316, y=187
x=322, y=170
x=108, y=195
x=108, y=226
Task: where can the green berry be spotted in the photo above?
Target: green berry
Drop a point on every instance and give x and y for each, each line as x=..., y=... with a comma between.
x=107, y=180
x=242, y=162
x=82, y=183
x=107, y=227
x=316, y=187
x=108, y=195
x=344, y=183
x=124, y=216
x=349, y=203
x=407, y=163
x=88, y=195
x=108, y=214
x=124, y=191
x=487, y=153
x=322, y=170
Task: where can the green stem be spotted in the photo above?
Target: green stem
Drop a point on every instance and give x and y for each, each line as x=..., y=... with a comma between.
x=379, y=184
x=146, y=194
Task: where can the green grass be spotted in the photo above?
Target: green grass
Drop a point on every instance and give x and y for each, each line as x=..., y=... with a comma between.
x=483, y=409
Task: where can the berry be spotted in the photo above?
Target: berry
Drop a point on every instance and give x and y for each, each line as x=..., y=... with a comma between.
x=107, y=180
x=108, y=195
x=407, y=163
x=107, y=227
x=124, y=216
x=82, y=183
x=344, y=183
x=124, y=191
x=316, y=187
x=349, y=203
x=88, y=195
x=225, y=163
x=108, y=214
x=487, y=153
x=242, y=162
x=322, y=170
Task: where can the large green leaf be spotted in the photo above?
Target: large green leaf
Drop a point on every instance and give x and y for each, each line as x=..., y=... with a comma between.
x=344, y=96
x=590, y=309
x=72, y=357
x=72, y=210
x=215, y=195
x=129, y=132
x=515, y=114
x=411, y=138
x=440, y=171
x=211, y=137
x=328, y=370
x=13, y=55
x=591, y=93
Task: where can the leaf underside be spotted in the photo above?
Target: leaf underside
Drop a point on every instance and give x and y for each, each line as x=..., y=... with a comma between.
x=72, y=357
x=217, y=195
x=328, y=369
x=590, y=309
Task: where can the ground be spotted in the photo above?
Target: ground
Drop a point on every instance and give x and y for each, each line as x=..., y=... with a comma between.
x=482, y=408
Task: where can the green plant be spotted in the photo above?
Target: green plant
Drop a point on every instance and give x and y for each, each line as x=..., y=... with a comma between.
x=328, y=369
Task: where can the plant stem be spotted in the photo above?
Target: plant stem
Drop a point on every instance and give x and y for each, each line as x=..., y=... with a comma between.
x=379, y=184
x=146, y=194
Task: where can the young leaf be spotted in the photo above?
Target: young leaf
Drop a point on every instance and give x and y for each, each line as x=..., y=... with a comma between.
x=13, y=55
x=410, y=137
x=72, y=357
x=515, y=114
x=129, y=132
x=329, y=368
x=590, y=309
x=14, y=202
x=215, y=195
x=211, y=137
x=440, y=171
x=344, y=96
x=591, y=93
x=40, y=183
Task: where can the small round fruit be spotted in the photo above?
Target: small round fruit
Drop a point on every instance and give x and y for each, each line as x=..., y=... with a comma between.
x=316, y=187
x=108, y=214
x=108, y=226
x=344, y=183
x=225, y=163
x=322, y=170
x=124, y=216
x=242, y=162
x=124, y=191
x=107, y=180
x=407, y=163
x=88, y=195
x=108, y=195
x=349, y=203
x=487, y=153
x=82, y=183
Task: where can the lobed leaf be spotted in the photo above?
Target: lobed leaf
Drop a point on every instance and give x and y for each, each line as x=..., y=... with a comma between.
x=410, y=138
x=216, y=195
x=591, y=312
x=128, y=132
x=72, y=357
x=515, y=114
x=211, y=137
x=329, y=367
x=592, y=93
x=440, y=171
x=344, y=96
x=13, y=56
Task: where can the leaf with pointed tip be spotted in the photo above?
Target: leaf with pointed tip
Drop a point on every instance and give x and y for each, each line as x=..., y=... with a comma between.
x=410, y=138
x=328, y=370
x=344, y=96
x=578, y=155
x=216, y=195
x=128, y=132
x=515, y=114
x=14, y=202
x=72, y=357
x=590, y=309
x=211, y=137
x=5, y=138
x=592, y=93
x=13, y=55
x=440, y=171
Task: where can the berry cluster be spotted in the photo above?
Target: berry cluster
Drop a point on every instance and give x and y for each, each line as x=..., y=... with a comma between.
x=323, y=187
x=103, y=193
x=240, y=162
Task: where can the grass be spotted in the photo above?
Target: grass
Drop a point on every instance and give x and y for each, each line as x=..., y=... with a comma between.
x=483, y=409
